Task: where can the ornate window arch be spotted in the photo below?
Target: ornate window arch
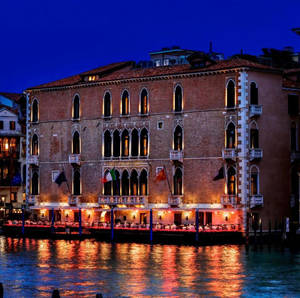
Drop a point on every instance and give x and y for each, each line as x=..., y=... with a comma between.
x=35, y=183
x=143, y=183
x=177, y=181
x=134, y=142
x=107, y=143
x=107, y=185
x=125, y=143
x=178, y=138
x=35, y=111
x=230, y=94
x=253, y=94
x=254, y=135
x=116, y=143
x=134, y=183
x=116, y=184
x=76, y=107
x=125, y=183
x=76, y=143
x=107, y=105
x=254, y=180
x=231, y=181
x=230, y=135
x=144, y=102
x=125, y=103
x=144, y=142
x=178, y=98
x=35, y=145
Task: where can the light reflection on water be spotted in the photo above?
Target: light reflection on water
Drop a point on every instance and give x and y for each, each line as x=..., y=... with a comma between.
x=33, y=268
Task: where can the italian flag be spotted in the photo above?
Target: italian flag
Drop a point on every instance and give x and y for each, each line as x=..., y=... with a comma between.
x=110, y=176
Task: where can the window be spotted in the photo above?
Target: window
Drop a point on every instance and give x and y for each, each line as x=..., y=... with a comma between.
x=178, y=138
x=254, y=183
x=144, y=142
x=254, y=137
x=293, y=137
x=107, y=105
x=76, y=107
x=231, y=181
x=76, y=143
x=107, y=144
x=143, y=183
x=178, y=182
x=230, y=92
x=125, y=103
x=253, y=94
x=125, y=183
x=134, y=183
x=178, y=99
x=208, y=218
x=12, y=125
x=166, y=62
x=35, y=111
x=1, y=124
x=134, y=143
x=116, y=184
x=107, y=186
x=76, y=183
x=125, y=143
x=144, y=102
x=230, y=136
x=35, y=184
x=157, y=63
x=293, y=105
x=35, y=145
x=160, y=125
x=116, y=142
x=201, y=218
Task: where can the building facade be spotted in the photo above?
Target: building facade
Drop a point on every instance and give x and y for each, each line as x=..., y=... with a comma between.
x=211, y=137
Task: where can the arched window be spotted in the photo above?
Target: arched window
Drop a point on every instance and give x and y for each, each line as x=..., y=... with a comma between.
x=125, y=183
x=116, y=184
x=178, y=99
x=76, y=143
x=35, y=111
x=231, y=181
x=293, y=137
x=107, y=105
x=178, y=182
x=134, y=143
x=230, y=136
x=107, y=144
x=76, y=183
x=125, y=103
x=35, y=184
x=76, y=107
x=107, y=186
x=144, y=142
x=35, y=145
x=143, y=183
x=254, y=186
x=144, y=102
x=125, y=143
x=253, y=94
x=134, y=183
x=254, y=137
x=116, y=141
x=178, y=138
x=230, y=95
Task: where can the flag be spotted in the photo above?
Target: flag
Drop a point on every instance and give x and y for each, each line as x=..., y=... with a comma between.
x=220, y=174
x=61, y=178
x=109, y=176
x=161, y=175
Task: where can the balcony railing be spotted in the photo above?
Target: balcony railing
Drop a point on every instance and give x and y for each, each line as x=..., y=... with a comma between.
x=256, y=201
x=175, y=200
x=33, y=160
x=32, y=199
x=74, y=200
x=255, y=110
x=295, y=156
x=74, y=159
x=176, y=155
x=229, y=153
x=229, y=200
x=256, y=153
x=123, y=200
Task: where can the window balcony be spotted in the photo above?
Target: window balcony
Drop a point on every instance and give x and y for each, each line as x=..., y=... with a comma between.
x=256, y=153
x=255, y=110
x=256, y=201
x=123, y=200
x=74, y=200
x=74, y=159
x=229, y=153
x=175, y=200
x=295, y=156
x=176, y=155
x=33, y=160
x=32, y=199
x=229, y=200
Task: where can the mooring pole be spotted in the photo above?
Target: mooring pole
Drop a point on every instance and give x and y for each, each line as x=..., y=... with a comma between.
x=112, y=224
x=197, y=224
x=151, y=225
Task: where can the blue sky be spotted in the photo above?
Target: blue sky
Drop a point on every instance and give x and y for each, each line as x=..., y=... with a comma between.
x=42, y=41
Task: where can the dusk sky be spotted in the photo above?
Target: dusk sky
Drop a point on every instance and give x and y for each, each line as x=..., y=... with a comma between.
x=42, y=41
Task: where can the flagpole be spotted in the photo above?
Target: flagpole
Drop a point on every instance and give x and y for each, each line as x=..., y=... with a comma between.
x=168, y=180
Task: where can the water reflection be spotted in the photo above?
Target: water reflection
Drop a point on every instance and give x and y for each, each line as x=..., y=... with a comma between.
x=33, y=268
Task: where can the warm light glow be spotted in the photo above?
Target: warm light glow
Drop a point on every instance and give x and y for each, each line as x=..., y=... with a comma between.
x=67, y=213
x=160, y=213
x=103, y=214
x=43, y=212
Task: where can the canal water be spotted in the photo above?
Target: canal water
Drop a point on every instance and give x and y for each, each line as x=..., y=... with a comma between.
x=33, y=268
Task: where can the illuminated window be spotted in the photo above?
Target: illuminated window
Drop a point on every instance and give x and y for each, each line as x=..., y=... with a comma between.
x=231, y=181
x=230, y=92
x=76, y=143
x=35, y=111
x=144, y=142
x=76, y=182
x=253, y=94
x=254, y=183
x=254, y=137
x=107, y=144
x=134, y=183
x=143, y=183
x=125, y=143
x=230, y=136
x=116, y=143
x=107, y=105
x=12, y=125
x=134, y=143
x=107, y=186
x=35, y=184
x=91, y=78
x=144, y=102
x=125, y=103
x=178, y=182
x=76, y=107
x=35, y=145
x=178, y=138
x=178, y=99
x=125, y=183
x=116, y=184
x=5, y=147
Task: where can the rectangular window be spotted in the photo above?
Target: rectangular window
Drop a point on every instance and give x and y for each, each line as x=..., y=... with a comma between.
x=12, y=125
x=160, y=125
x=13, y=197
x=293, y=105
x=1, y=125
x=201, y=218
x=208, y=218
